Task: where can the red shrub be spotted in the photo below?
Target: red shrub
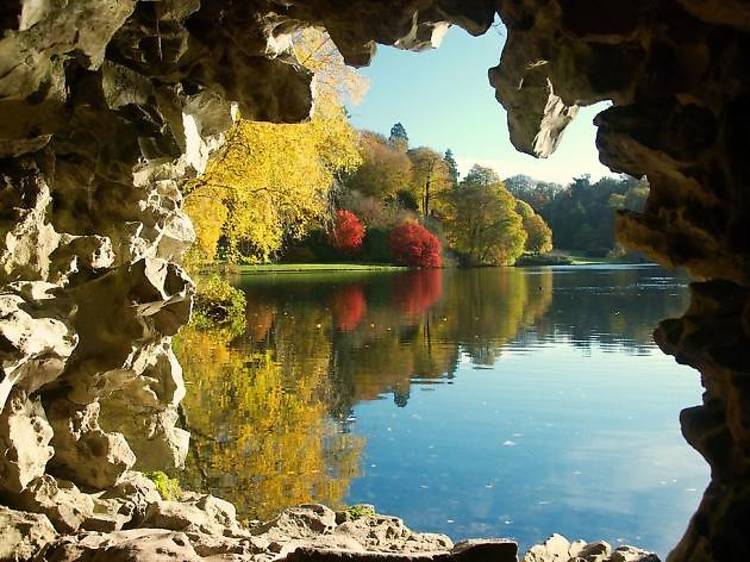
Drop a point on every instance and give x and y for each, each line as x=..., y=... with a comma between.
x=415, y=246
x=348, y=232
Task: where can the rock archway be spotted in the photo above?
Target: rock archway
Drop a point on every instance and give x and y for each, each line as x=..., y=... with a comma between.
x=107, y=106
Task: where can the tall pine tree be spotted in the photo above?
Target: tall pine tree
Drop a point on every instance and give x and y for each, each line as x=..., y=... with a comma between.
x=450, y=161
x=398, y=137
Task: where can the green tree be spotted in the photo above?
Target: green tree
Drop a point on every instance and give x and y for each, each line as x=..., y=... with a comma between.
x=399, y=138
x=450, y=162
x=482, y=222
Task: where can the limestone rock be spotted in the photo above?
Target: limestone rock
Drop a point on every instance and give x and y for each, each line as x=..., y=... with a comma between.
x=133, y=493
x=558, y=549
x=37, y=339
x=204, y=514
x=555, y=549
x=386, y=533
x=136, y=545
x=61, y=501
x=479, y=550
x=83, y=451
x=24, y=440
x=23, y=535
x=301, y=522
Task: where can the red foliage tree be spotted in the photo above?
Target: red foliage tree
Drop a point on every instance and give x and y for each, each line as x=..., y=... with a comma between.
x=415, y=246
x=348, y=232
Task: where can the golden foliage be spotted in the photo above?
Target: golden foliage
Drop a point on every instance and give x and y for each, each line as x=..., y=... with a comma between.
x=270, y=181
x=384, y=171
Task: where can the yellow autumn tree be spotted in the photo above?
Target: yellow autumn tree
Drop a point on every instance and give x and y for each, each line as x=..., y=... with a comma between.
x=270, y=182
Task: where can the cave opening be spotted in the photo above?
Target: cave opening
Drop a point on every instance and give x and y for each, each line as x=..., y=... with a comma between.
x=110, y=111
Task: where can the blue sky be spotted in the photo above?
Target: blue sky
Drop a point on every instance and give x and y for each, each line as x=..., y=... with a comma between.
x=444, y=100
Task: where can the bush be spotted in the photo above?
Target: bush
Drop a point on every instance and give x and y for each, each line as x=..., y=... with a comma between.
x=415, y=246
x=348, y=232
x=219, y=305
x=168, y=488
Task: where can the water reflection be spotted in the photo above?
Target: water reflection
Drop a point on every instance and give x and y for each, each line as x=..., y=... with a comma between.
x=292, y=410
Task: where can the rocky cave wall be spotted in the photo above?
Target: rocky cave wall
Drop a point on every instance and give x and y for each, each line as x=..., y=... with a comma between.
x=108, y=106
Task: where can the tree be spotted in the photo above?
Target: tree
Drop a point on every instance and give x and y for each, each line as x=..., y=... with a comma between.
x=384, y=170
x=270, y=182
x=348, y=233
x=415, y=246
x=450, y=162
x=482, y=222
x=399, y=138
x=337, y=84
x=538, y=234
x=582, y=215
x=429, y=179
x=273, y=181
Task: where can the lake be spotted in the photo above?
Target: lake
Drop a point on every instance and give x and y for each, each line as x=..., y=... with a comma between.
x=488, y=402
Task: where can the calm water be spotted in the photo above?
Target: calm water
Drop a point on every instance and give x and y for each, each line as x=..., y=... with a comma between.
x=512, y=402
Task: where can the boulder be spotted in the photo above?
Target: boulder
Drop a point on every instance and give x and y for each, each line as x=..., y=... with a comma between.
x=135, y=545
x=85, y=453
x=558, y=549
x=23, y=535
x=61, y=501
x=485, y=550
x=24, y=439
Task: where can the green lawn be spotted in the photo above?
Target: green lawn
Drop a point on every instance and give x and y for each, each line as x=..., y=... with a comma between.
x=314, y=267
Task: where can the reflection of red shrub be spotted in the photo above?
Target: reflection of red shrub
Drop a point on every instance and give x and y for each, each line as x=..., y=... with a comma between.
x=348, y=232
x=415, y=246
x=417, y=291
x=349, y=306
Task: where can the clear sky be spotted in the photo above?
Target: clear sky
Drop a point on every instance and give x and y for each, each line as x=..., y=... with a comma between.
x=444, y=100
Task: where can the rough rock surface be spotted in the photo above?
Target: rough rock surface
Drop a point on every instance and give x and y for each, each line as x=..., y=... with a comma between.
x=23, y=535
x=558, y=549
x=205, y=528
x=108, y=107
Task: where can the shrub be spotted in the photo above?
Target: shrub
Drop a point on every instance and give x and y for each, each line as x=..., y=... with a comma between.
x=415, y=246
x=219, y=305
x=169, y=488
x=348, y=232
x=360, y=510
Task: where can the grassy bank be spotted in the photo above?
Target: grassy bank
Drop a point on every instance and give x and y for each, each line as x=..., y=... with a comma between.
x=314, y=267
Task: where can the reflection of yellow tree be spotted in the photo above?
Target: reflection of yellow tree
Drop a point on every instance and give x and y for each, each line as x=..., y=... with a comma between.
x=486, y=309
x=262, y=437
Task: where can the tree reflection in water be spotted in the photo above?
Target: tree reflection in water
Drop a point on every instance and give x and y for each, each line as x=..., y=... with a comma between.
x=270, y=408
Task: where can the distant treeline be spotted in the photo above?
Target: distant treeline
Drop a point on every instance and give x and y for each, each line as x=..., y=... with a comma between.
x=582, y=214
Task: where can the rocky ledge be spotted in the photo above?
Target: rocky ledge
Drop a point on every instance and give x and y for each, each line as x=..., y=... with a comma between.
x=134, y=523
